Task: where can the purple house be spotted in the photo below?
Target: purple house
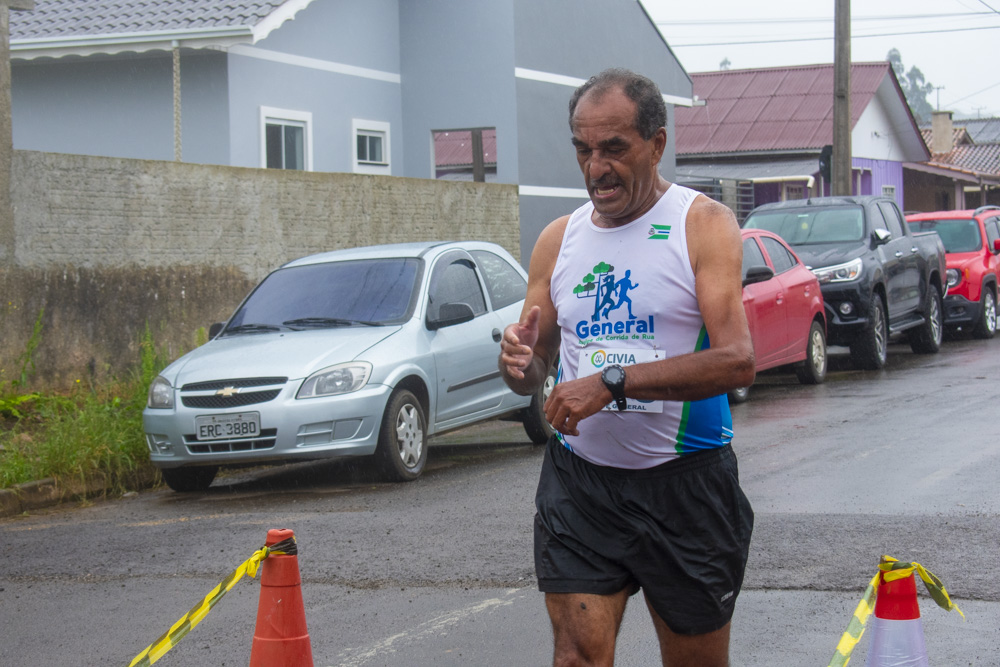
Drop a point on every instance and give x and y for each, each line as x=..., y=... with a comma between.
x=756, y=135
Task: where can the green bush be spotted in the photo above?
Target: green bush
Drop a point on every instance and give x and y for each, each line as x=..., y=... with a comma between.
x=91, y=433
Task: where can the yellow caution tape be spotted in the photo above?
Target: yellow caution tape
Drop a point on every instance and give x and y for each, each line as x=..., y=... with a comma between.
x=188, y=621
x=891, y=569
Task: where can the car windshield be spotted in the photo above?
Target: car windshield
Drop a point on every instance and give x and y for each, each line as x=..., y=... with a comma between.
x=956, y=235
x=805, y=226
x=332, y=294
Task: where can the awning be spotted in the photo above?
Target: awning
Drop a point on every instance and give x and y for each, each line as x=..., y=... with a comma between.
x=759, y=171
x=953, y=172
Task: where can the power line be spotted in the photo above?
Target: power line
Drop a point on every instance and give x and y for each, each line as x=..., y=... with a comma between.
x=674, y=45
x=983, y=3
x=828, y=19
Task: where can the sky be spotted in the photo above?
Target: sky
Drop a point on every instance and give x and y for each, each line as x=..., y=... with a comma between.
x=954, y=43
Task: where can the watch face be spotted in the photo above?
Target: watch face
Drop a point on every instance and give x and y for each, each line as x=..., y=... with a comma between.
x=613, y=374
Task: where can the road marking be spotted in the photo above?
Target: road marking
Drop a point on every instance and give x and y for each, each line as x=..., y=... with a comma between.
x=432, y=627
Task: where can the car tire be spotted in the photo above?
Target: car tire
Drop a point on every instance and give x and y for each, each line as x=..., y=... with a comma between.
x=986, y=325
x=535, y=425
x=869, y=350
x=739, y=395
x=402, y=441
x=189, y=479
x=813, y=369
x=926, y=339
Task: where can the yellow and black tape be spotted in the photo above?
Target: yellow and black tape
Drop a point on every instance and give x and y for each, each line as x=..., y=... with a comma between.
x=891, y=569
x=188, y=621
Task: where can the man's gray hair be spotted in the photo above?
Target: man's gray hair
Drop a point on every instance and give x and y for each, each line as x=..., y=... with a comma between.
x=650, y=109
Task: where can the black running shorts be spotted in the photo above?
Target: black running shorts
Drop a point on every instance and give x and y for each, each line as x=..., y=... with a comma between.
x=680, y=531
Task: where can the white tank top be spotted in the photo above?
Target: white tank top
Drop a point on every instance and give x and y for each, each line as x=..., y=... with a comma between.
x=626, y=295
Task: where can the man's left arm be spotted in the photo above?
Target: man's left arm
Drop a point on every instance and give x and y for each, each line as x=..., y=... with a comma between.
x=715, y=247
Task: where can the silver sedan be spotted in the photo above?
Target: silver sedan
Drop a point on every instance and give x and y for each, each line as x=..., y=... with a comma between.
x=348, y=353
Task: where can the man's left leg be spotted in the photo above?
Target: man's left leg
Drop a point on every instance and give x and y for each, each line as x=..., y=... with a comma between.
x=706, y=650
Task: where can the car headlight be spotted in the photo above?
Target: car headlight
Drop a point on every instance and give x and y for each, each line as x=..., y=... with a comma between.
x=840, y=273
x=954, y=277
x=339, y=379
x=161, y=394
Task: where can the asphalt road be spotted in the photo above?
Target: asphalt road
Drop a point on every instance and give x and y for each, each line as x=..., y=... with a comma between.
x=438, y=572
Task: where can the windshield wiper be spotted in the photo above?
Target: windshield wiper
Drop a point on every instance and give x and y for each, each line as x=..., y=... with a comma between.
x=327, y=322
x=255, y=328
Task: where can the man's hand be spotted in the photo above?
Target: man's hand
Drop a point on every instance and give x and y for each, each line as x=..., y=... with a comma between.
x=572, y=402
x=518, y=342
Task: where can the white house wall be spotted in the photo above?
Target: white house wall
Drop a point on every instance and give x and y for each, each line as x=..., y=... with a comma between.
x=338, y=60
x=554, y=49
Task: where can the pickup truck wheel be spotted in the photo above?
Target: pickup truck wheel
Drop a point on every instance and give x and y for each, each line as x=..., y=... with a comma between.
x=538, y=429
x=813, y=369
x=402, y=440
x=869, y=350
x=739, y=395
x=926, y=339
x=986, y=326
x=189, y=479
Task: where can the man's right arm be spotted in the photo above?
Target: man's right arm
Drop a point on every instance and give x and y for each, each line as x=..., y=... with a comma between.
x=529, y=347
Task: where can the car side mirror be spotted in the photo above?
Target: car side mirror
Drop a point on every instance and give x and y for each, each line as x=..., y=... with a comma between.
x=215, y=329
x=758, y=274
x=996, y=245
x=882, y=236
x=450, y=314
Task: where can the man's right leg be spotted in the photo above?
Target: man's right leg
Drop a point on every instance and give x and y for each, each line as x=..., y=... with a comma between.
x=585, y=627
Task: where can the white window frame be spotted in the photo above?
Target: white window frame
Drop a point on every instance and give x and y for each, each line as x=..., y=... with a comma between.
x=889, y=191
x=368, y=127
x=275, y=116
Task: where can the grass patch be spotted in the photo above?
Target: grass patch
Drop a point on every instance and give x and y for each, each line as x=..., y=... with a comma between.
x=92, y=433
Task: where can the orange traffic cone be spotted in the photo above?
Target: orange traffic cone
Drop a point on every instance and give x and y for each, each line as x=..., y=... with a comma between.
x=897, y=637
x=281, y=638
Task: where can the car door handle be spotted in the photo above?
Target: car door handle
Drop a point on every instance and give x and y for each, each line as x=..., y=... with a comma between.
x=497, y=335
x=779, y=299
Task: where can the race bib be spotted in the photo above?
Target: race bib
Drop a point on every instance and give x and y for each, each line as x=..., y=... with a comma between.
x=594, y=360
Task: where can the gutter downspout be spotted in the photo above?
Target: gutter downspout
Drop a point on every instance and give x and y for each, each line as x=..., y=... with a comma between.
x=177, y=99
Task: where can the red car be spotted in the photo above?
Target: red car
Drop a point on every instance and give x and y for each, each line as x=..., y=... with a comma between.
x=972, y=246
x=784, y=307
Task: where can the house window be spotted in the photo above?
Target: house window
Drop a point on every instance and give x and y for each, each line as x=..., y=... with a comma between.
x=465, y=155
x=286, y=139
x=794, y=192
x=889, y=191
x=371, y=147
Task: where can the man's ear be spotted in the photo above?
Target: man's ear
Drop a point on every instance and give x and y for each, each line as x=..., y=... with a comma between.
x=659, y=144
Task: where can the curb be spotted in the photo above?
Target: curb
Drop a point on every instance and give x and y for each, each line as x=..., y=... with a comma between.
x=47, y=492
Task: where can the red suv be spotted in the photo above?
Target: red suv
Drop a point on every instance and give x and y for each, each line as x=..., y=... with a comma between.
x=972, y=243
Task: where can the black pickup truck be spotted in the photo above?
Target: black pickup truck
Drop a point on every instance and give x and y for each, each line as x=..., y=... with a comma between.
x=878, y=278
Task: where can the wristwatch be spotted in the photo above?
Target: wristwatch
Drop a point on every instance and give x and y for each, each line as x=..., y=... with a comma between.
x=613, y=378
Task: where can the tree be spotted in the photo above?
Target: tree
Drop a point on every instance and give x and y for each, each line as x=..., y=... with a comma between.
x=725, y=64
x=915, y=88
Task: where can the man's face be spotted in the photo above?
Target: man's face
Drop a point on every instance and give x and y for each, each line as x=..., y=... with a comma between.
x=619, y=166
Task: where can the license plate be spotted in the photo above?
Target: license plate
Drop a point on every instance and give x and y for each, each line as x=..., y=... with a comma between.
x=224, y=427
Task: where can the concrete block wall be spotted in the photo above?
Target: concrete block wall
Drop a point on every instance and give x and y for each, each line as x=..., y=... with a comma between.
x=107, y=245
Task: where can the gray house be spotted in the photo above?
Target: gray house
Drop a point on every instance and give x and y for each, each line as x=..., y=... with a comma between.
x=457, y=89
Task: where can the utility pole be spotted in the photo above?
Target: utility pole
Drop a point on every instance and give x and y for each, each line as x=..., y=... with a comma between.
x=842, y=99
x=6, y=129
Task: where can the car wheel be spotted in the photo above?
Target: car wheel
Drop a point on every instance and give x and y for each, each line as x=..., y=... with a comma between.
x=926, y=339
x=402, y=440
x=535, y=425
x=869, y=350
x=739, y=395
x=187, y=480
x=813, y=369
x=986, y=326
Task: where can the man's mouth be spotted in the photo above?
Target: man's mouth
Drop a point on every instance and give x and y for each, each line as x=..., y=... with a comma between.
x=605, y=190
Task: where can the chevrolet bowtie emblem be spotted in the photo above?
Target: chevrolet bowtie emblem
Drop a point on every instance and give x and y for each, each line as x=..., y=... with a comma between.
x=227, y=392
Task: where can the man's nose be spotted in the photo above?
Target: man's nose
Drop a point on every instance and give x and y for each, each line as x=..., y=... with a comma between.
x=598, y=167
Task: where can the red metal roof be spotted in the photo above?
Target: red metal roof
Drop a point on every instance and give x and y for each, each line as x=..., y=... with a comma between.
x=772, y=109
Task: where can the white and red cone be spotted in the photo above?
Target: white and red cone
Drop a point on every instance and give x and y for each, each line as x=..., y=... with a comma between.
x=897, y=636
